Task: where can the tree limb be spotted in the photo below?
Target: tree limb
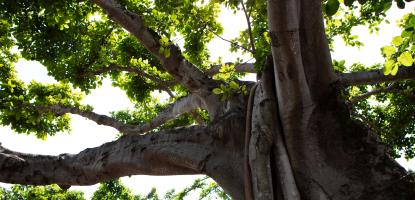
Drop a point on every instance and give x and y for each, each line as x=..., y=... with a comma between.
x=376, y=76
x=162, y=84
x=243, y=67
x=182, y=70
x=181, y=106
x=390, y=88
x=193, y=113
x=152, y=154
x=115, y=67
x=99, y=119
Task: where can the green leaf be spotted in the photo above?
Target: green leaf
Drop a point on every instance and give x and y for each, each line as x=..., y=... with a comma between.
x=400, y=4
x=388, y=67
x=397, y=41
x=411, y=21
x=267, y=38
x=167, y=52
x=348, y=2
x=217, y=91
x=234, y=85
x=388, y=50
x=406, y=34
x=394, y=69
x=331, y=7
x=387, y=5
x=164, y=41
x=223, y=87
x=161, y=50
x=406, y=59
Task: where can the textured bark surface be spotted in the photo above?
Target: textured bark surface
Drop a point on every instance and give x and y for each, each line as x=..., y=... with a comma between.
x=377, y=76
x=332, y=157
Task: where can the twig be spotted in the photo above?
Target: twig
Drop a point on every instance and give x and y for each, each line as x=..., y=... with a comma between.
x=249, y=28
x=390, y=88
x=226, y=40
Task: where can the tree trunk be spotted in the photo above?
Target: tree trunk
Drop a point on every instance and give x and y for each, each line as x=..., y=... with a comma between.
x=303, y=143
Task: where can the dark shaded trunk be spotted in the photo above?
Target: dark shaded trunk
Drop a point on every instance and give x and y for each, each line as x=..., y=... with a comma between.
x=303, y=143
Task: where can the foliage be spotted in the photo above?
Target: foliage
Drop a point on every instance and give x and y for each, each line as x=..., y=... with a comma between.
x=50, y=192
x=230, y=86
x=113, y=190
x=402, y=50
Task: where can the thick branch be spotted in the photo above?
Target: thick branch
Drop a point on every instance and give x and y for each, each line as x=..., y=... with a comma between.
x=376, y=76
x=184, y=105
x=182, y=70
x=243, y=67
x=152, y=154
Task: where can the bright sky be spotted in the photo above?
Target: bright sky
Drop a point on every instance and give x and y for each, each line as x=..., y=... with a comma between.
x=86, y=134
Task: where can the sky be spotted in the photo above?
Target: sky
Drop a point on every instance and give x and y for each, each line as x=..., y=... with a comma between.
x=87, y=134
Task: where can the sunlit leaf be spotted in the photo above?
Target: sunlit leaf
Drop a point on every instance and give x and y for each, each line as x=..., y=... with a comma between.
x=394, y=70
x=388, y=67
x=397, y=41
x=217, y=91
x=234, y=85
x=388, y=50
x=406, y=59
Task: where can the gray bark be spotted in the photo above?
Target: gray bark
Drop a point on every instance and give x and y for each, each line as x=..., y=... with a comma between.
x=377, y=76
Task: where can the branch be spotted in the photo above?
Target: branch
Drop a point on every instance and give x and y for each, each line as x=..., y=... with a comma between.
x=249, y=28
x=183, y=71
x=194, y=112
x=391, y=88
x=226, y=40
x=376, y=76
x=152, y=154
x=99, y=119
x=183, y=105
x=164, y=85
x=244, y=67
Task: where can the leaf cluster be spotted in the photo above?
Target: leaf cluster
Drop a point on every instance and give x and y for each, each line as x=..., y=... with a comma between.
x=402, y=50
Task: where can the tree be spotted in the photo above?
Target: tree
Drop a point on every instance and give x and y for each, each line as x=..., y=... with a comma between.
x=50, y=192
x=112, y=190
x=301, y=132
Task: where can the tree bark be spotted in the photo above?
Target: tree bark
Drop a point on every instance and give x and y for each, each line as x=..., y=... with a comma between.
x=332, y=157
x=377, y=76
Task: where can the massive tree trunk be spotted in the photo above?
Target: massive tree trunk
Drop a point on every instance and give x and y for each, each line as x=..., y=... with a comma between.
x=293, y=138
x=331, y=156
